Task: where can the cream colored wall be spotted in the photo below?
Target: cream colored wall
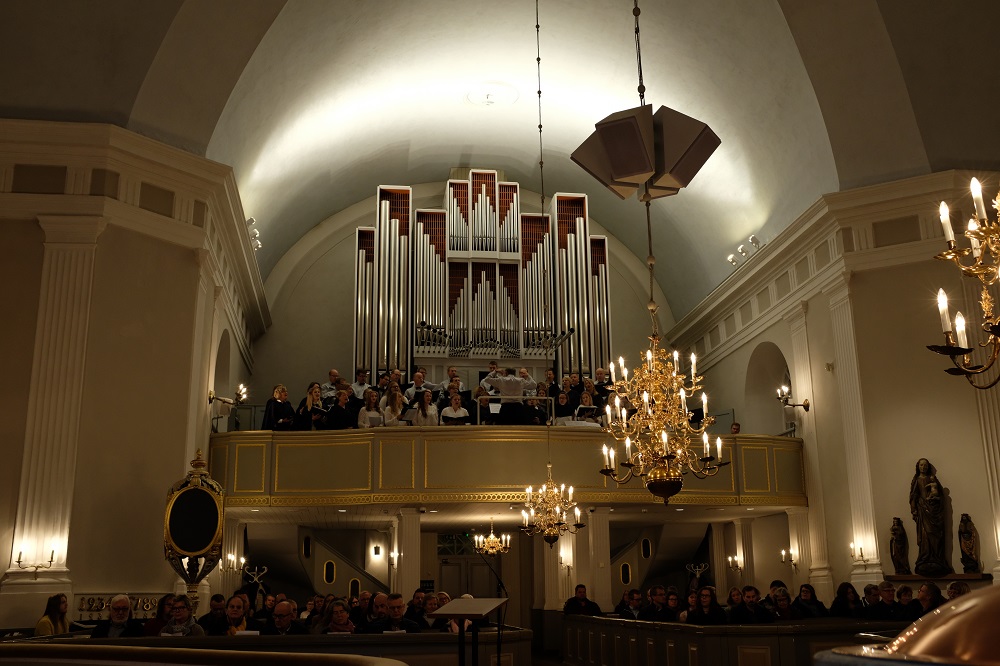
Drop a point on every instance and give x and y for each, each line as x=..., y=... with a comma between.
x=770, y=535
x=912, y=408
x=131, y=444
x=21, y=270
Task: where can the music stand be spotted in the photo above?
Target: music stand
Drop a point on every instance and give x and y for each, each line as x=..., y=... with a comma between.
x=468, y=609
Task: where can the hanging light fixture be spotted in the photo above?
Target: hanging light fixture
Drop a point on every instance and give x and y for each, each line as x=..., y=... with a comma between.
x=492, y=544
x=984, y=248
x=548, y=510
x=637, y=151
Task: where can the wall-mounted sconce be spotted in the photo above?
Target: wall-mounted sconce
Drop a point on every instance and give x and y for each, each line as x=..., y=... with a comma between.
x=229, y=565
x=35, y=567
x=734, y=563
x=785, y=398
x=376, y=551
x=788, y=557
x=858, y=555
x=393, y=558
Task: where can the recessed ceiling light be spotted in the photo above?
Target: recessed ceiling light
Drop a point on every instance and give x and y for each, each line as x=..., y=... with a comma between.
x=750, y=508
x=434, y=510
x=492, y=94
x=678, y=509
x=341, y=510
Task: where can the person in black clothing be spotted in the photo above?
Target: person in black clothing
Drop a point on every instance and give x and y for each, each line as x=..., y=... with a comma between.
x=579, y=604
x=633, y=600
x=339, y=416
x=657, y=610
x=281, y=622
x=426, y=623
x=847, y=603
x=311, y=414
x=416, y=606
x=807, y=604
x=394, y=621
x=278, y=413
x=214, y=622
x=749, y=611
x=887, y=607
x=708, y=611
x=928, y=598
x=376, y=611
x=121, y=624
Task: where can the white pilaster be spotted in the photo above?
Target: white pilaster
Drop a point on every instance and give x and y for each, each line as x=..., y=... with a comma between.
x=48, y=469
x=719, y=563
x=407, y=548
x=553, y=574
x=744, y=549
x=599, y=537
x=199, y=410
x=815, y=563
x=801, y=551
x=852, y=416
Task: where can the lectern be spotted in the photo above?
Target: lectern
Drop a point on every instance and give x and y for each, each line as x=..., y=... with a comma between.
x=468, y=609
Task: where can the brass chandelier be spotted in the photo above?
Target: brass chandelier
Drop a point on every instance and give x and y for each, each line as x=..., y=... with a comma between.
x=548, y=511
x=984, y=248
x=492, y=544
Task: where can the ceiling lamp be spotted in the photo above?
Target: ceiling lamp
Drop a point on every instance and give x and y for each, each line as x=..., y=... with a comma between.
x=637, y=151
x=492, y=544
x=984, y=248
x=548, y=510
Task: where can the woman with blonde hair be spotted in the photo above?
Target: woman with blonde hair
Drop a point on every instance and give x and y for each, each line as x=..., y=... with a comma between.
x=392, y=404
x=278, y=413
x=311, y=415
x=370, y=415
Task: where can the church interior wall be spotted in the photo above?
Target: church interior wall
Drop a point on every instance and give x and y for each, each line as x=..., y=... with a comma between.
x=134, y=413
x=21, y=270
x=770, y=535
x=912, y=408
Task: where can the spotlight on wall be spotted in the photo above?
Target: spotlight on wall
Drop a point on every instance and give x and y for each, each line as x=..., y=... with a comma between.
x=754, y=241
x=251, y=222
x=732, y=259
x=742, y=250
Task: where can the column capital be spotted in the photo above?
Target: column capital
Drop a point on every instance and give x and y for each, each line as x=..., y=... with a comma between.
x=795, y=314
x=838, y=289
x=78, y=229
x=797, y=510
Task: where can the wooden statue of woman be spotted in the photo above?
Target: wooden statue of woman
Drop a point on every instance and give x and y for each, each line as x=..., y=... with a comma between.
x=927, y=509
x=899, y=549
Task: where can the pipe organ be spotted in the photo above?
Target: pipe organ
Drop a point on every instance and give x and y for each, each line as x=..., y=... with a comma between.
x=479, y=279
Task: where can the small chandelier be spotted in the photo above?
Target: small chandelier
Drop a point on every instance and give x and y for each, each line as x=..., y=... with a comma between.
x=492, y=544
x=548, y=510
x=984, y=247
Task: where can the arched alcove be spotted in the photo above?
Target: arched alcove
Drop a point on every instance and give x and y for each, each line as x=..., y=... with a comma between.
x=766, y=371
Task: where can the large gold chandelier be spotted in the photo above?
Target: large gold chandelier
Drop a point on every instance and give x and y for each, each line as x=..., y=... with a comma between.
x=984, y=248
x=651, y=417
x=548, y=511
x=492, y=544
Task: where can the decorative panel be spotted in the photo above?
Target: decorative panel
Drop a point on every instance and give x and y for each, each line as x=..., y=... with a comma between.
x=756, y=470
x=250, y=468
x=320, y=467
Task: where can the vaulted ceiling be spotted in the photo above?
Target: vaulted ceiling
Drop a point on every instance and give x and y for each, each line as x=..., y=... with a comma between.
x=316, y=102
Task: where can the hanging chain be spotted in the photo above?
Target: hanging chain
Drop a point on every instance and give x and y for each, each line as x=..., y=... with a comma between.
x=538, y=64
x=651, y=263
x=638, y=54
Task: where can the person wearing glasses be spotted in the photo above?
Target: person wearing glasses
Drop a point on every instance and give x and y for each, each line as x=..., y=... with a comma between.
x=121, y=624
x=657, y=610
x=631, y=611
x=708, y=611
x=182, y=622
x=394, y=622
x=283, y=622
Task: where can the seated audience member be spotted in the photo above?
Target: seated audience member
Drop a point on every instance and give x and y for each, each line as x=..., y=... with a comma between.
x=904, y=595
x=416, y=605
x=587, y=411
x=674, y=602
x=53, y=622
x=871, y=595
x=340, y=417
x=360, y=384
x=455, y=414
x=394, y=622
x=957, y=588
x=807, y=604
x=427, y=623
x=311, y=413
x=846, y=603
x=305, y=615
x=377, y=610
x=121, y=624
x=692, y=605
x=733, y=599
x=278, y=412
x=236, y=615
x=337, y=619
x=214, y=621
x=633, y=603
x=370, y=415
x=482, y=398
x=708, y=611
x=768, y=601
x=623, y=604
x=443, y=599
x=393, y=405
x=268, y=608
x=427, y=413
x=182, y=622
x=783, y=608
x=282, y=622
x=164, y=611
x=466, y=624
x=563, y=409
x=329, y=389
x=749, y=611
x=928, y=598
x=887, y=608
x=511, y=387
x=579, y=604
x=360, y=609
x=658, y=609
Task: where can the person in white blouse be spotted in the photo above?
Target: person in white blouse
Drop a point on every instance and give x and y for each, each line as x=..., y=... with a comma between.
x=454, y=411
x=370, y=415
x=427, y=412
